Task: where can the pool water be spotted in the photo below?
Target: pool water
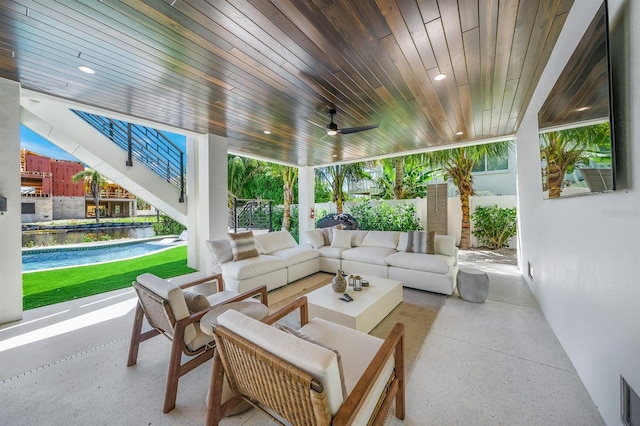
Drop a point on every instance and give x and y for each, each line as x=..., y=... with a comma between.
x=38, y=259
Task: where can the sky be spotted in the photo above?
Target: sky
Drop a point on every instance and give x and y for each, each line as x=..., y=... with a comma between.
x=32, y=141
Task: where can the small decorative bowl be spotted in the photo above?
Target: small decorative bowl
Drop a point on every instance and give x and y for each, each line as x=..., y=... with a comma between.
x=365, y=283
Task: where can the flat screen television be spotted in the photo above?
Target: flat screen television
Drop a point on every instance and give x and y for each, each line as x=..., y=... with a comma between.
x=576, y=120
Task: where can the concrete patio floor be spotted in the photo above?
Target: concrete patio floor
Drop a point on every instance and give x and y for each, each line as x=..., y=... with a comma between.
x=493, y=363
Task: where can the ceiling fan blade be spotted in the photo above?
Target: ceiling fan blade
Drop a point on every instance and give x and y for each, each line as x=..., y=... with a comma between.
x=357, y=129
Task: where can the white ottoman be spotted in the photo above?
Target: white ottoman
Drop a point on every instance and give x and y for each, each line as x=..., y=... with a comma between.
x=473, y=285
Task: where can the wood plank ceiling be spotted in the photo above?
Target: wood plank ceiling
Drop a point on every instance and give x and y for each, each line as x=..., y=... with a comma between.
x=237, y=68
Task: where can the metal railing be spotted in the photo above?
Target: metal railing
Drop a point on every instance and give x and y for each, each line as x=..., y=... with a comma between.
x=148, y=146
x=250, y=214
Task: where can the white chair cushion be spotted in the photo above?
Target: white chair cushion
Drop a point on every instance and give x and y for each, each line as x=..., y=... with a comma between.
x=315, y=238
x=357, y=349
x=446, y=244
x=174, y=296
x=420, y=262
x=388, y=239
x=253, y=266
x=320, y=362
x=295, y=255
x=274, y=241
x=372, y=255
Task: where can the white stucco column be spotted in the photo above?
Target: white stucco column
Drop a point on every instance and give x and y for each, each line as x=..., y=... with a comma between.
x=10, y=225
x=206, y=196
x=306, y=199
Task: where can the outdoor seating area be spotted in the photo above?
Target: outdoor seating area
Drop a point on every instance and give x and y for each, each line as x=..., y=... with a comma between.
x=467, y=352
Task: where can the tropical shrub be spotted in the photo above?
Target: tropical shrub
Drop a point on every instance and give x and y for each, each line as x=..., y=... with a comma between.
x=167, y=226
x=494, y=226
x=385, y=217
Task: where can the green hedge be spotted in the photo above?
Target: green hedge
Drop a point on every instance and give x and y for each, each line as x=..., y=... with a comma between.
x=384, y=217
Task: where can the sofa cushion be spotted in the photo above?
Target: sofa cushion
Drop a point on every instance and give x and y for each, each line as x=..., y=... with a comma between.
x=315, y=238
x=420, y=242
x=242, y=245
x=331, y=252
x=274, y=241
x=259, y=247
x=295, y=255
x=220, y=250
x=420, y=262
x=248, y=268
x=388, y=239
x=356, y=237
x=445, y=244
x=372, y=255
x=341, y=239
x=314, y=359
x=327, y=234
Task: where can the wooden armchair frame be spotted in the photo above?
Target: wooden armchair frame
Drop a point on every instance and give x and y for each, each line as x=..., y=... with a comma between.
x=158, y=313
x=251, y=369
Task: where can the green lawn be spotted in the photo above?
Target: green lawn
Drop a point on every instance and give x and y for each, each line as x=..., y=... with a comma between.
x=59, y=285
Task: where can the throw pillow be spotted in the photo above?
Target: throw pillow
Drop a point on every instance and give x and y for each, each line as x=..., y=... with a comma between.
x=416, y=242
x=327, y=234
x=431, y=242
x=341, y=239
x=196, y=302
x=315, y=342
x=243, y=245
x=315, y=237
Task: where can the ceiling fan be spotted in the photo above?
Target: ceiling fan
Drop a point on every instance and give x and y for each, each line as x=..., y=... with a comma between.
x=332, y=128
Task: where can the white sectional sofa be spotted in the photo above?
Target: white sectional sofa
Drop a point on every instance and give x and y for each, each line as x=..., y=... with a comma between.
x=384, y=254
x=279, y=261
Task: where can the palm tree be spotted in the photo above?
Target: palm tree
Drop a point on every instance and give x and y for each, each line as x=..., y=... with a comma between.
x=458, y=164
x=337, y=175
x=95, y=182
x=562, y=150
x=403, y=177
x=289, y=176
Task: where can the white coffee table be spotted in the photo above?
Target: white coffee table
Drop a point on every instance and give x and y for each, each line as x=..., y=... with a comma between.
x=368, y=308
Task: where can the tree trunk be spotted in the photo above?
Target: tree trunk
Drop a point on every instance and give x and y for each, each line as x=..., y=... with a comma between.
x=288, y=196
x=397, y=187
x=465, y=230
x=555, y=175
x=96, y=200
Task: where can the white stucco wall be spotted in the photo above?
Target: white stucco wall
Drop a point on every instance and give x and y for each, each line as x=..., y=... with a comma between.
x=584, y=250
x=10, y=229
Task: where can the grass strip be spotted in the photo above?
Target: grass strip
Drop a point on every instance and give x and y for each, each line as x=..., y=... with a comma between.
x=59, y=285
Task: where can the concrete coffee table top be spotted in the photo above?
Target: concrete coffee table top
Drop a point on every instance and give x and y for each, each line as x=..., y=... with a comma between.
x=368, y=308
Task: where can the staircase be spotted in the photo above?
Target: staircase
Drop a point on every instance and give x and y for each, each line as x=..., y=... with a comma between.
x=148, y=146
x=249, y=214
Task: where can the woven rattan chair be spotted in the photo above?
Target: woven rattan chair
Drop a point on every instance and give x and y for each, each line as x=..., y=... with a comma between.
x=288, y=392
x=163, y=305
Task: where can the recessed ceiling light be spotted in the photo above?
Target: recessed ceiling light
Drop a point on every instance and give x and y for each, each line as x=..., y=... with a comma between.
x=583, y=109
x=335, y=155
x=440, y=77
x=459, y=133
x=86, y=69
x=267, y=132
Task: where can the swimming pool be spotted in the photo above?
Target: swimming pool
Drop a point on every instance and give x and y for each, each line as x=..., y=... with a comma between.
x=61, y=257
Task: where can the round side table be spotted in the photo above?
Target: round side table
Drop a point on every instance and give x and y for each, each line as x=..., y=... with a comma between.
x=255, y=310
x=473, y=285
